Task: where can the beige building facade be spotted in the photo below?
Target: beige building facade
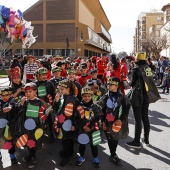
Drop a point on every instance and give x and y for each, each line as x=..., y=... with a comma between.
x=148, y=23
x=68, y=27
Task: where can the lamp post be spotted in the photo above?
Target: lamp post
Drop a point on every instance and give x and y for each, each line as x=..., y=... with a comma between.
x=76, y=38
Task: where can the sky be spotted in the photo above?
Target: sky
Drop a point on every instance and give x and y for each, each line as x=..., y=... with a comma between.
x=122, y=15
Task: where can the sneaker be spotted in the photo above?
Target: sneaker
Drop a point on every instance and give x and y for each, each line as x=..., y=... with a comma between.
x=13, y=159
x=163, y=92
x=32, y=163
x=64, y=161
x=26, y=159
x=145, y=142
x=133, y=144
x=96, y=162
x=79, y=161
x=115, y=159
x=167, y=92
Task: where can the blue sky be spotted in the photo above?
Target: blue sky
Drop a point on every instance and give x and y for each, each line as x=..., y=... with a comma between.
x=122, y=15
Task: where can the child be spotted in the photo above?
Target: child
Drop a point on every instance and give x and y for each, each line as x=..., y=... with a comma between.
x=16, y=84
x=166, y=77
x=7, y=112
x=33, y=111
x=61, y=64
x=29, y=69
x=57, y=77
x=71, y=75
x=45, y=91
x=89, y=124
x=65, y=123
x=115, y=108
x=84, y=76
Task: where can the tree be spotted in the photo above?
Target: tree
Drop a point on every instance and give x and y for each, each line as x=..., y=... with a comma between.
x=154, y=45
x=122, y=54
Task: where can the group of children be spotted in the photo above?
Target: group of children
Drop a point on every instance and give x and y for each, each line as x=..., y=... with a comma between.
x=72, y=113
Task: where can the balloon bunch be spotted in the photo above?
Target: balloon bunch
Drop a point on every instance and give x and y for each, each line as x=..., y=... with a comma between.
x=13, y=25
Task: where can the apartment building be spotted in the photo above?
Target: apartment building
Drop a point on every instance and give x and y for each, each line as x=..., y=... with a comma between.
x=165, y=29
x=68, y=27
x=147, y=23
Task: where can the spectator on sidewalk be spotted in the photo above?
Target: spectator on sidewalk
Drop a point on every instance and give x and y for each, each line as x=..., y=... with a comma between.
x=166, y=77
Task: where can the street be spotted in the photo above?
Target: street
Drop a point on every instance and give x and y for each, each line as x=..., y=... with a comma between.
x=154, y=157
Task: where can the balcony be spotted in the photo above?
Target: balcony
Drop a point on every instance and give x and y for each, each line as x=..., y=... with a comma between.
x=97, y=41
x=105, y=34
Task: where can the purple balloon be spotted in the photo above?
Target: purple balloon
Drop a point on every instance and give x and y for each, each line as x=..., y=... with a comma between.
x=29, y=124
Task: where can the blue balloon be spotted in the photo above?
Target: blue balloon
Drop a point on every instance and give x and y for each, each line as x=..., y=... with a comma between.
x=24, y=32
x=5, y=12
x=109, y=103
x=67, y=125
x=29, y=124
x=3, y=123
x=83, y=139
x=20, y=13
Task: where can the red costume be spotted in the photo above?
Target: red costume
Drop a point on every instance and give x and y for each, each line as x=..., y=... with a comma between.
x=63, y=73
x=101, y=66
x=82, y=79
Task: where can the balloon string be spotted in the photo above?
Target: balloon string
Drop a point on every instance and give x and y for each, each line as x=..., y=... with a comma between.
x=5, y=51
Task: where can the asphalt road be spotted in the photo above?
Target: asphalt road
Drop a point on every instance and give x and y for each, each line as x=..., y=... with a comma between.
x=154, y=157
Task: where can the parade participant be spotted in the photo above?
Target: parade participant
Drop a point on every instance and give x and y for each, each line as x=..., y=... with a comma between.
x=7, y=114
x=97, y=82
x=45, y=91
x=88, y=125
x=84, y=76
x=108, y=72
x=115, y=107
x=101, y=65
x=29, y=69
x=33, y=111
x=124, y=72
x=44, y=63
x=98, y=91
x=90, y=66
x=145, y=92
x=16, y=83
x=56, y=59
x=116, y=66
x=166, y=78
x=57, y=77
x=68, y=64
x=65, y=124
x=71, y=75
x=61, y=64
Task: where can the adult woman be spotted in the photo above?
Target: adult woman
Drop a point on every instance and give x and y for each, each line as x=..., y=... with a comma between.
x=147, y=93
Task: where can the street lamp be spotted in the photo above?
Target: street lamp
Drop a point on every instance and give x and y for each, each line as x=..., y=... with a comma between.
x=81, y=39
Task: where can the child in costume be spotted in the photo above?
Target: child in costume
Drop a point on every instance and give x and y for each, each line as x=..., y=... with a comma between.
x=7, y=115
x=71, y=75
x=57, y=77
x=88, y=123
x=16, y=83
x=65, y=124
x=115, y=107
x=45, y=91
x=84, y=76
x=33, y=110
